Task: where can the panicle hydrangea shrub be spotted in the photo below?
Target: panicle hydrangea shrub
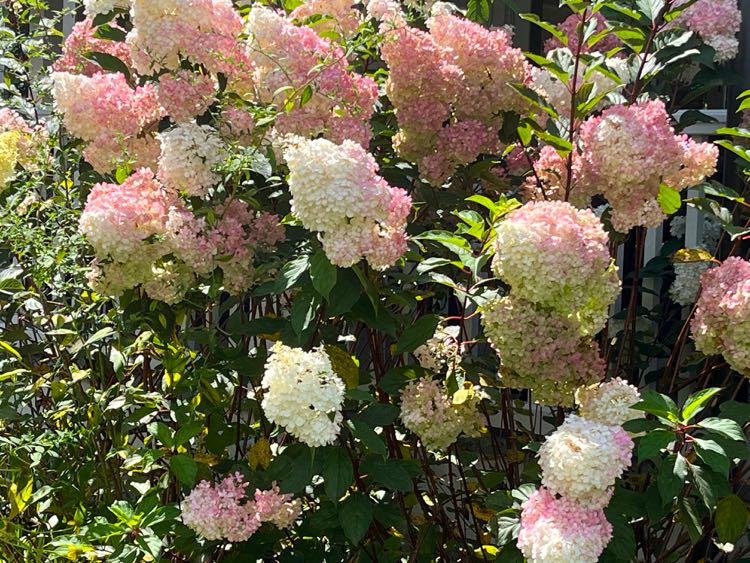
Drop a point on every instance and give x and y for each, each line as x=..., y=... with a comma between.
x=438, y=420
x=558, y=530
x=189, y=154
x=302, y=393
x=582, y=459
x=721, y=324
x=541, y=350
x=569, y=28
x=558, y=257
x=337, y=192
x=339, y=15
x=82, y=40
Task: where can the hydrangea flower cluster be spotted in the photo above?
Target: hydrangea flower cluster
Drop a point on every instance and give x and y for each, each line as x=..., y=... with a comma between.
x=628, y=152
x=721, y=324
x=436, y=418
x=339, y=15
x=20, y=144
x=95, y=7
x=189, y=153
x=440, y=348
x=337, y=192
x=609, y=402
x=558, y=257
x=302, y=393
x=291, y=57
x=582, y=459
x=449, y=87
x=185, y=95
x=558, y=530
x=717, y=22
x=569, y=28
x=221, y=511
x=110, y=116
x=143, y=234
x=204, y=32
x=540, y=350
x=580, y=462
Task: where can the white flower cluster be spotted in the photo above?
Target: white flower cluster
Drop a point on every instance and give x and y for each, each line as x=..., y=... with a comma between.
x=336, y=191
x=438, y=419
x=582, y=459
x=609, y=402
x=189, y=153
x=439, y=349
x=95, y=7
x=303, y=394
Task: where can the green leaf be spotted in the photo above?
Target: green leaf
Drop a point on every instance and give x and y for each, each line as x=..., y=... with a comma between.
x=417, y=333
x=108, y=62
x=345, y=293
x=290, y=273
x=548, y=27
x=730, y=518
x=322, y=273
x=712, y=455
x=184, y=468
x=110, y=33
x=695, y=402
x=187, y=432
x=389, y=473
x=658, y=405
x=370, y=439
x=99, y=335
x=650, y=8
x=671, y=477
x=638, y=425
x=304, y=309
x=293, y=468
x=669, y=200
x=688, y=515
x=734, y=410
x=338, y=474
x=355, y=516
x=705, y=483
x=478, y=11
x=724, y=426
x=651, y=444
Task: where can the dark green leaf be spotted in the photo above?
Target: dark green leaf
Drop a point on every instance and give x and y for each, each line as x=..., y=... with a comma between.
x=695, y=402
x=184, y=468
x=417, y=333
x=290, y=273
x=322, y=273
x=652, y=443
x=108, y=62
x=712, y=455
x=338, y=474
x=724, y=426
x=367, y=437
x=355, y=516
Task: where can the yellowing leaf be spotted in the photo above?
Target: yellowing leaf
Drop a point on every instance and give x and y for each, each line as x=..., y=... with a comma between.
x=482, y=513
x=692, y=255
x=259, y=454
x=344, y=365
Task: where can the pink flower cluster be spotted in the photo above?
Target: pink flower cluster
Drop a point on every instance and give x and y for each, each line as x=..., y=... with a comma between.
x=288, y=59
x=143, y=234
x=569, y=29
x=221, y=511
x=185, y=95
x=557, y=530
x=629, y=151
x=337, y=192
x=722, y=320
x=204, y=32
x=111, y=116
x=717, y=22
x=449, y=87
x=82, y=40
